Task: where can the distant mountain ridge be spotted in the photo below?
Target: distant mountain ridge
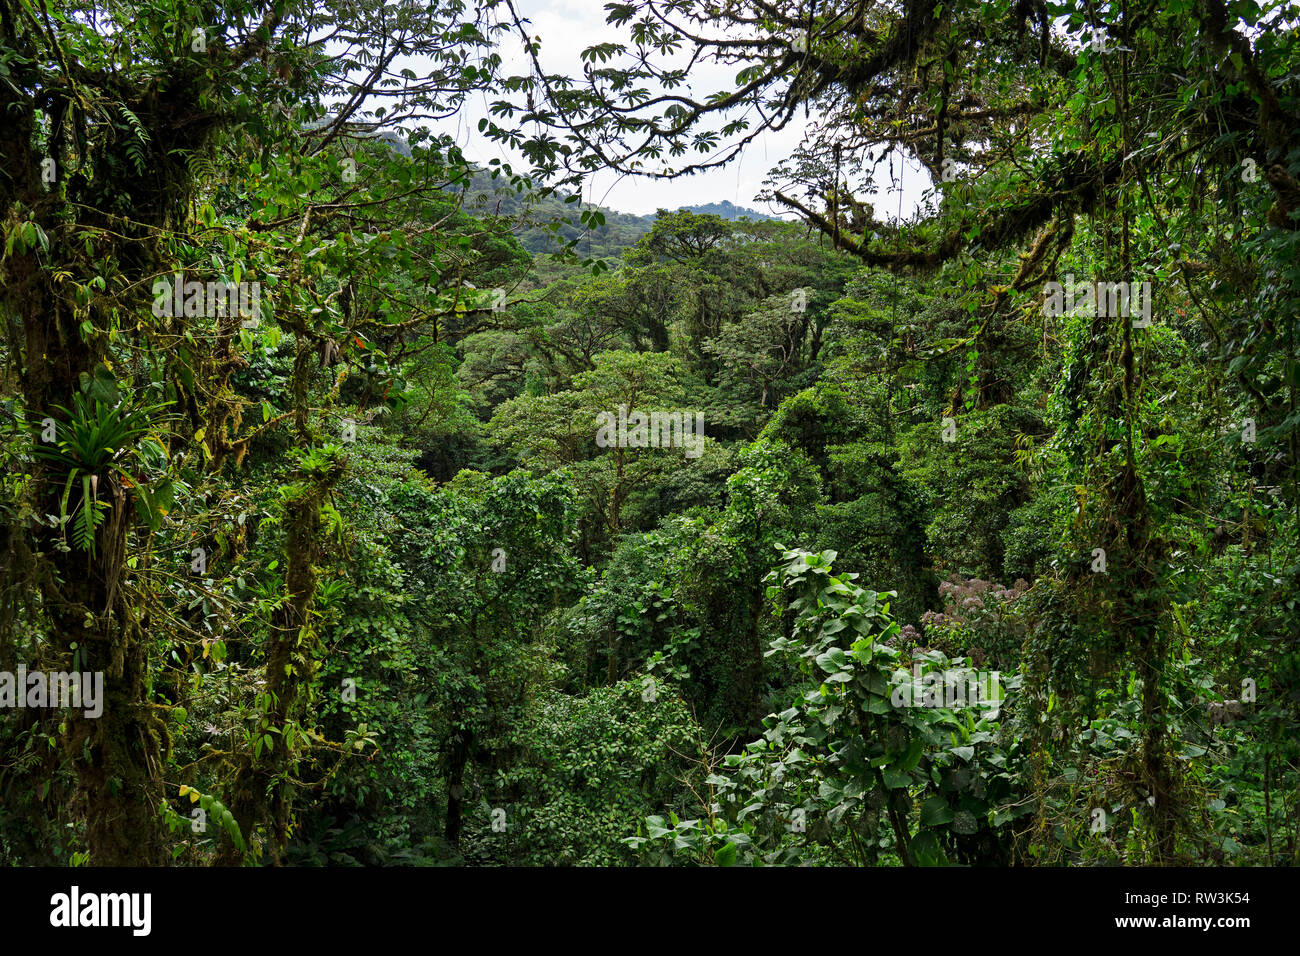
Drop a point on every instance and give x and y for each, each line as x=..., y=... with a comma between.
x=727, y=210
x=619, y=230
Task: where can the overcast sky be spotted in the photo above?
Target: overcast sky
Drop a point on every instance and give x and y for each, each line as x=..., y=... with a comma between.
x=565, y=28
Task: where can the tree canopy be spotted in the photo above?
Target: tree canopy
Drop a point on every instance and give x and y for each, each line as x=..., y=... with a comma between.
x=367, y=504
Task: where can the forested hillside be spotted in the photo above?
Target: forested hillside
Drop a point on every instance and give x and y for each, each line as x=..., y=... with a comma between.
x=553, y=223
x=348, y=520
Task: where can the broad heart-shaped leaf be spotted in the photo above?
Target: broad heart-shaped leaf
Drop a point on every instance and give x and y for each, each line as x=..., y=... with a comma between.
x=833, y=661
x=878, y=684
x=926, y=851
x=833, y=626
x=935, y=812
x=725, y=855
x=101, y=387
x=896, y=779
x=878, y=705
x=913, y=755
x=834, y=814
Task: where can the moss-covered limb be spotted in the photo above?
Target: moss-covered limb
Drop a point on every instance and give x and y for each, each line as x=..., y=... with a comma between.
x=120, y=142
x=261, y=794
x=1075, y=183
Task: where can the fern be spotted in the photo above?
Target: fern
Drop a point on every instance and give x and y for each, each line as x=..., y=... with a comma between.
x=90, y=515
x=202, y=166
x=87, y=518
x=135, y=147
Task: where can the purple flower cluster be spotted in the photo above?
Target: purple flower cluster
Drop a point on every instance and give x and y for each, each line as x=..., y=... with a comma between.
x=963, y=597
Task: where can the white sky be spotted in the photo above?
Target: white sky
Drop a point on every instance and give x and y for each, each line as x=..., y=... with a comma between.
x=565, y=28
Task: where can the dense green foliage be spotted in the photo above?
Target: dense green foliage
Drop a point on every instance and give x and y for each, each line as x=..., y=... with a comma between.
x=419, y=556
